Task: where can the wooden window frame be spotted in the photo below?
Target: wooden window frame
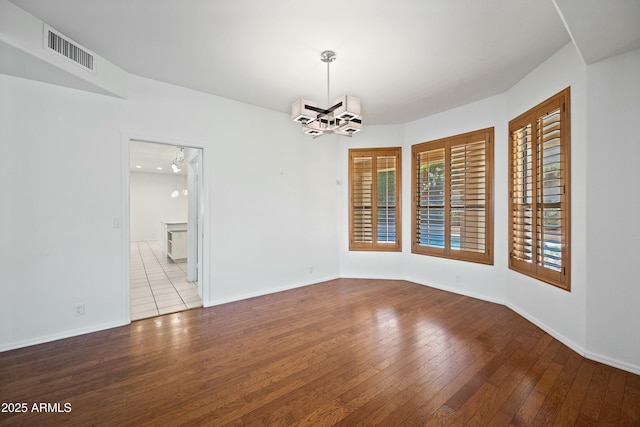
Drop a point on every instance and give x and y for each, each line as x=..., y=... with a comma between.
x=535, y=267
x=485, y=257
x=374, y=245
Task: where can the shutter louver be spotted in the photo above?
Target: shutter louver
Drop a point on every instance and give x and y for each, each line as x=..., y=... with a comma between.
x=362, y=199
x=468, y=197
x=386, y=208
x=522, y=195
x=430, y=218
x=550, y=232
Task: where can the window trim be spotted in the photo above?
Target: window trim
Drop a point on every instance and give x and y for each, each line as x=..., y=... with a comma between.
x=375, y=245
x=482, y=258
x=561, y=279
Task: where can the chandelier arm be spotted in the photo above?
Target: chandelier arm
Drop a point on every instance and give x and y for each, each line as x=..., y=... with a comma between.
x=323, y=111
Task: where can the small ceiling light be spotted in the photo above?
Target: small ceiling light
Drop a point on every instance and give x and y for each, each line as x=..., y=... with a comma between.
x=175, y=194
x=159, y=168
x=175, y=167
x=343, y=118
x=184, y=192
x=138, y=167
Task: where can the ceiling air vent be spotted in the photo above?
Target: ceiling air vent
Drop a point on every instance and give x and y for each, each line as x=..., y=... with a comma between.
x=63, y=45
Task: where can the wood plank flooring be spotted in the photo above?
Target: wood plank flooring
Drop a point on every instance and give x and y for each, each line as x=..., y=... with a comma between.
x=346, y=352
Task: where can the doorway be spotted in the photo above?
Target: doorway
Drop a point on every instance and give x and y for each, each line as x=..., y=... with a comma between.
x=165, y=218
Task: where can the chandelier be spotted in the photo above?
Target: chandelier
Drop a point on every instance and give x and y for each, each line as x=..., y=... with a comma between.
x=343, y=118
x=176, y=166
x=178, y=161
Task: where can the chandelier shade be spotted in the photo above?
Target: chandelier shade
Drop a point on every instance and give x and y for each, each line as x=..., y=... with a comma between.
x=301, y=111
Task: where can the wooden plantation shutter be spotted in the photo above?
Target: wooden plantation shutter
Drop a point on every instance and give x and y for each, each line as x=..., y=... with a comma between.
x=362, y=199
x=539, y=195
x=522, y=195
x=452, y=184
x=430, y=220
x=374, y=199
x=468, y=206
x=386, y=199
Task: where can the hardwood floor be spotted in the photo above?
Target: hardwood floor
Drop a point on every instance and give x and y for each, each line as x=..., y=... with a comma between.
x=345, y=352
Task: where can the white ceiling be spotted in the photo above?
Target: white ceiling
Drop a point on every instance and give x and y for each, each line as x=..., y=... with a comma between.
x=601, y=29
x=405, y=59
x=148, y=157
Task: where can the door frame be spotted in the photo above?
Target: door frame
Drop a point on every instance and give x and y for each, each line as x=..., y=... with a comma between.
x=205, y=267
x=194, y=215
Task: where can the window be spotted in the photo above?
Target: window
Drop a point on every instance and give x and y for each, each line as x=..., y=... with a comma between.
x=374, y=199
x=452, y=185
x=539, y=202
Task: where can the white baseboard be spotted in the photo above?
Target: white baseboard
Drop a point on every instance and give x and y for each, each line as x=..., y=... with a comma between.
x=456, y=291
x=551, y=331
x=59, y=336
x=371, y=277
x=613, y=362
x=557, y=335
x=577, y=348
x=214, y=302
x=563, y=339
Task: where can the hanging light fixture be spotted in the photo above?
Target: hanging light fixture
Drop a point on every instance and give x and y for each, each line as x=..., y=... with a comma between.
x=177, y=193
x=176, y=166
x=343, y=118
x=178, y=161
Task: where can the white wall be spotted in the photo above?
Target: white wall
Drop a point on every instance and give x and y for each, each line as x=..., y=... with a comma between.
x=367, y=264
x=58, y=247
x=151, y=203
x=479, y=280
x=613, y=207
x=273, y=202
x=561, y=313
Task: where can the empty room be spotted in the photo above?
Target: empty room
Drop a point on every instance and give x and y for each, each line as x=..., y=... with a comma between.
x=341, y=213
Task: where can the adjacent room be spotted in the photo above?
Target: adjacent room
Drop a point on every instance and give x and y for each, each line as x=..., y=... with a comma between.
x=163, y=222
x=282, y=213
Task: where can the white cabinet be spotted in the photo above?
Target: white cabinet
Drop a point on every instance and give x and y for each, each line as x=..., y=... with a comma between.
x=177, y=244
x=165, y=227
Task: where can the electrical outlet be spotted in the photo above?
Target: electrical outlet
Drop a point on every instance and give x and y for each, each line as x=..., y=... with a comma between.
x=78, y=310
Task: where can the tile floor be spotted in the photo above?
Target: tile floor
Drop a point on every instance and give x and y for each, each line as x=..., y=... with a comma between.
x=159, y=285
